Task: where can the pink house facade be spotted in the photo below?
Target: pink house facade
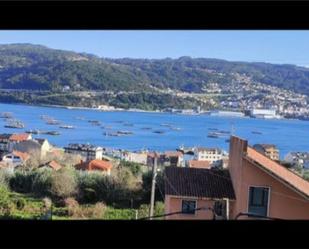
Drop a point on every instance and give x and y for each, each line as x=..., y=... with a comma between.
x=254, y=186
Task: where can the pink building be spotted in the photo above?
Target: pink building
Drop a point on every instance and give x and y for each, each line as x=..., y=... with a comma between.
x=255, y=186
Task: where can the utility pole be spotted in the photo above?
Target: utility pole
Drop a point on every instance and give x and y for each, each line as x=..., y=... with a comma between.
x=153, y=186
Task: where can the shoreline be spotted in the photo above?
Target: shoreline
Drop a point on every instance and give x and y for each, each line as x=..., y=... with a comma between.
x=207, y=113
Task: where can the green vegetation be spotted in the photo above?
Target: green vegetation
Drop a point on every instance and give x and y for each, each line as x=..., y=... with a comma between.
x=42, y=74
x=41, y=193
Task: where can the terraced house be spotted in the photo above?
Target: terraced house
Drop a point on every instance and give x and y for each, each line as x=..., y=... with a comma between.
x=254, y=186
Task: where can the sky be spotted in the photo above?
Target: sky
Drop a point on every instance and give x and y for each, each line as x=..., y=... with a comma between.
x=281, y=47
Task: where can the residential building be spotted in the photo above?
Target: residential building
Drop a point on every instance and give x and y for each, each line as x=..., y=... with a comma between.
x=188, y=189
x=300, y=159
x=136, y=157
x=86, y=151
x=96, y=165
x=4, y=143
x=263, y=186
x=212, y=155
x=169, y=158
x=269, y=150
x=173, y=158
x=14, y=159
x=34, y=146
x=254, y=185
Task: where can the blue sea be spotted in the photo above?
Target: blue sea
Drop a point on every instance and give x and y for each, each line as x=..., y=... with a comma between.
x=288, y=135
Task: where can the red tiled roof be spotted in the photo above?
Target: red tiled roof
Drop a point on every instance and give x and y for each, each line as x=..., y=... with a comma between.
x=173, y=154
x=95, y=165
x=295, y=181
x=20, y=137
x=199, y=164
x=54, y=165
x=24, y=156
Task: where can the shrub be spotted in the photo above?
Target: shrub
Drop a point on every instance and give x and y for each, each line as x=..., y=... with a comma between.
x=64, y=183
x=135, y=168
x=77, y=211
x=4, y=201
x=4, y=178
x=41, y=185
x=22, y=181
x=143, y=211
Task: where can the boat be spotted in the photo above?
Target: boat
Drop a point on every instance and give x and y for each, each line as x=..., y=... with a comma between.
x=124, y=132
x=159, y=132
x=67, y=127
x=52, y=122
x=257, y=132
x=34, y=132
x=224, y=132
x=146, y=128
x=95, y=122
x=166, y=124
x=175, y=128
x=15, y=125
x=6, y=115
x=213, y=135
x=112, y=134
x=54, y=133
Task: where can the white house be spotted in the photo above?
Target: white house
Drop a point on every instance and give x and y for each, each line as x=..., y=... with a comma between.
x=298, y=158
x=212, y=155
x=37, y=145
x=14, y=159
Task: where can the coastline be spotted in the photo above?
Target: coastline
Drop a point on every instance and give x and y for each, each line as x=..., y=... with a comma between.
x=146, y=111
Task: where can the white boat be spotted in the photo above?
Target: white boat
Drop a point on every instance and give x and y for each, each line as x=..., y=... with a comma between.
x=67, y=127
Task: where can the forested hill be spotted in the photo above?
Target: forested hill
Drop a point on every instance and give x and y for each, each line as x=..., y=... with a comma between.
x=35, y=67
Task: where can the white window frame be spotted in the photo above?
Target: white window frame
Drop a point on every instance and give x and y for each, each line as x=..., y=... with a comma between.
x=259, y=186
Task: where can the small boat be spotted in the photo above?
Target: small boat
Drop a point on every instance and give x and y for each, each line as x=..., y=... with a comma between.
x=166, y=124
x=34, y=132
x=67, y=127
x=15, y=125
x=224, y=132
x=111, y=134
x=175, y=128
x=54, y=133
x=124, y=132
x=95, y=122
x=52, y=122
x=213, y=135
x=6, y=115
x=159, y=132
x=146, y=128
x=257, y=132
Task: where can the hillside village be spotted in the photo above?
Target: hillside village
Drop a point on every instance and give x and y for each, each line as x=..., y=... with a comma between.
x=83, y=180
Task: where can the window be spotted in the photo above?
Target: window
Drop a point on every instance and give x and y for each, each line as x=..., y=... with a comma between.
x=188, y=207
x=258, y=200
